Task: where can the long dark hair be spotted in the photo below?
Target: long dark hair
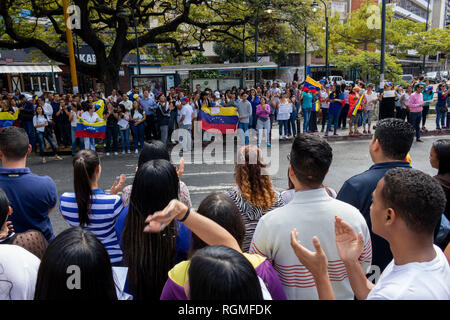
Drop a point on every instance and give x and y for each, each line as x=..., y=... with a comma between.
x=79, y=248
x=221, y=209
x=221, y=273
x=85, y=163
x=4, y=207
x=442, y=149
x=153, y=151
x=150, y=256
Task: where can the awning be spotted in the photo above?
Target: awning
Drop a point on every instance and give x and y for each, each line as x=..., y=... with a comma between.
x=29, y=69
x=221, y=66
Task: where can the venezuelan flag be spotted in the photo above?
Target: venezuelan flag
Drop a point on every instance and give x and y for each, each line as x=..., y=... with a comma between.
x=226, y=119
x=91, y=130
x=358, y=104
x=99, y=107
x=311, y=85
x=7, y=119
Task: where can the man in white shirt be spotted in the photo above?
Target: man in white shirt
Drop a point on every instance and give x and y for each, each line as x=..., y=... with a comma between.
x=126, y=102
x=407, y=206
x=312, y=212
x=185, y=113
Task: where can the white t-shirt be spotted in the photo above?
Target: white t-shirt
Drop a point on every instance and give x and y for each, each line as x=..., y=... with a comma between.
x=414, y=281
x=48, y=110
x=74, y=121
x=18, y=273
x=371, y=100
x=39, y=119
x=187, y=111
x=324, y=95
x=90, y=119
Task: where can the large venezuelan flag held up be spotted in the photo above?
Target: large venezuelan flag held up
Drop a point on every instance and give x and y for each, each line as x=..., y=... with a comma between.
x=7, y=119
x=91, y=130
x=311, y=85
x=226, y=119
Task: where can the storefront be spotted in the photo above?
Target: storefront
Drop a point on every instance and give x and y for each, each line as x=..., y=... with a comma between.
x=27, y=78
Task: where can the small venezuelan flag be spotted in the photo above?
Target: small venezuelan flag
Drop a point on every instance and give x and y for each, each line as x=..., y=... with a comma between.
x=99, y=107
x=358, y=104
x=226, y=119
x=7, y=119
x=91, y=130
x=311, y=85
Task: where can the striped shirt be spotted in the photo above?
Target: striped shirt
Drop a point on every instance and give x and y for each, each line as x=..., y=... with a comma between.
x=105, y=209
x=312, y=212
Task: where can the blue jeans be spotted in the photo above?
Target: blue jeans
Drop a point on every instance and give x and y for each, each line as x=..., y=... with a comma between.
x=74, y=141
x=29, y=129
x=292, y=122
x=111, y=132
x=41, y=137
x=440, y=118
x=164, y=130
x=244, y=127
x=415, y=118
x=138, y=135
x=332, y=120
x=285, y=124
x=89, y=143
x=125, y=139
x=306, y=116
x=367, y=117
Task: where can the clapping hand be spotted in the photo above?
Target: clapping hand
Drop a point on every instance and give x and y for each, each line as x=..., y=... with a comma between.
x=117, y=186
x=315, y=262
x=349, y=245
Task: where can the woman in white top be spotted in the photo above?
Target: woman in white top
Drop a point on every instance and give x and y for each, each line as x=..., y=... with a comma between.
x=284, y=107
x=40, y=122
x=137, y=122
x=124, y=124
x=75, y=113
x=90, y=116
x=404, y=100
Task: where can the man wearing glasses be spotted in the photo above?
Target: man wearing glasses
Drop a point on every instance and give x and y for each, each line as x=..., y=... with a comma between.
x=415, y=109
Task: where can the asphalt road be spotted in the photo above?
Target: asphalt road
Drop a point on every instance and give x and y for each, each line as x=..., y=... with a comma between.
x=350, y=158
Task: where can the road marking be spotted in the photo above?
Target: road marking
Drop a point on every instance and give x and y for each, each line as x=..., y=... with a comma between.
x=207, y=173
x=208, y=189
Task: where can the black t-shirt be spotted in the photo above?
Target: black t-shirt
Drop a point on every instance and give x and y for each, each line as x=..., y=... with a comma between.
x=111, y=121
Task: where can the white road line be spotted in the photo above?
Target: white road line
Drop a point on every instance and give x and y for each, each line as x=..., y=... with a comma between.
x=206, y=173
x=207, y=189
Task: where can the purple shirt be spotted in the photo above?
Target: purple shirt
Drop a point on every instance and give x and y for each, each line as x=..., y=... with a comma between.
x=174, y=291
x=415, y=102
x=263, y=113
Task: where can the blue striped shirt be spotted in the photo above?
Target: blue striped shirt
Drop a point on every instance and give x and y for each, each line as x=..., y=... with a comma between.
x=104, y=210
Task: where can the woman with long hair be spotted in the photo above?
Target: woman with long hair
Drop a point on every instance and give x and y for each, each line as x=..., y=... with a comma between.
x=124, y=116
x=253, y=193
x=163, y=117
x=31, y=240
x=90, y=116
x=441, y=108
x=221, y=209
x=89, y=206
x=149, y=256
x=40, y=122
x=263, y=121
x=78, y=252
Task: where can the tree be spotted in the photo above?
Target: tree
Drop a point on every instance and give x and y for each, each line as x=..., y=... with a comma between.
x=180, y=26
x=205, y=74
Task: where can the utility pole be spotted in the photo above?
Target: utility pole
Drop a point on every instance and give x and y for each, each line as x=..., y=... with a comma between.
x=383, y=42
x=73, y=68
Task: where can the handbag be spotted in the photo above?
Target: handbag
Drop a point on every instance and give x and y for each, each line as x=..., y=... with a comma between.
x=48, y=130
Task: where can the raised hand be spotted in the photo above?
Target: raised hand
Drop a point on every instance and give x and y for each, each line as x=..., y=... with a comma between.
x=117, y=186
x=349, y=245
x=180, y=169
x=315, y=262
x=159, y=220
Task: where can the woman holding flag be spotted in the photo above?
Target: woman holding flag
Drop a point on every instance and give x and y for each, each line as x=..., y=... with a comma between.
x=355, y=102
x=91, y=117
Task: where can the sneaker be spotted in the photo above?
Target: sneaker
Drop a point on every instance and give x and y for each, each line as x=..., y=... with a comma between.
x=123, y=152
x=326, y=134
x=268, y=145
x=335, y=134
x=419, y=140
x=136, y=151
x=43, y=160
x=129, y=151
x=58, y=158
x=115, y=153
x=107, y=153
x=364, y=131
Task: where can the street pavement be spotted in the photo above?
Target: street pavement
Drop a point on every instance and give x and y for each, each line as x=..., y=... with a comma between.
x=350, y=157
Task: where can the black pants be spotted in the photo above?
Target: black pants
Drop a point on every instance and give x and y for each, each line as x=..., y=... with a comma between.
x=313, y=121
x=325, y=112
x=65, y=133
x=424, y=114
x=151, y=131
x=400, y=114
x=112, y=133
x=342, y=121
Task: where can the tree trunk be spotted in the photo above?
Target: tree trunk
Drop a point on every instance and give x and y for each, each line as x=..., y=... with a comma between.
x=109, y=75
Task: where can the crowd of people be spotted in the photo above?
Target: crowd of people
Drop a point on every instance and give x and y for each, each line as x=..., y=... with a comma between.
x=151, y=115
x=251, y=242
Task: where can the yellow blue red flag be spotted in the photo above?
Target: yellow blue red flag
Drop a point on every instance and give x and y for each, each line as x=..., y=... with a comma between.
x=311, y=85
x=90, y=130
x=225, y=119
x=358, y=104
x=7, y=118
x=99, y=107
